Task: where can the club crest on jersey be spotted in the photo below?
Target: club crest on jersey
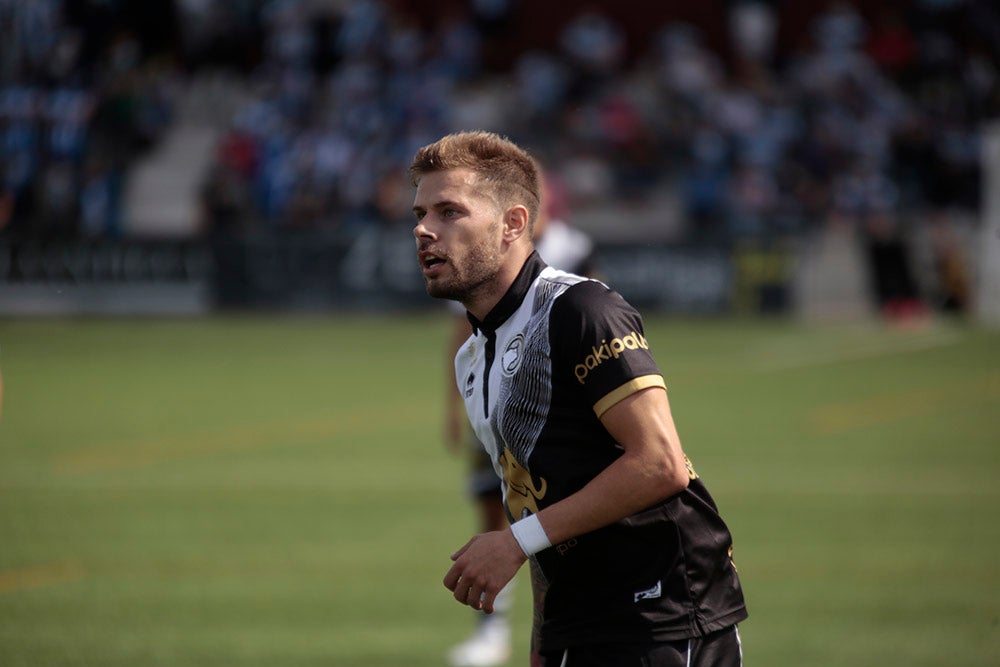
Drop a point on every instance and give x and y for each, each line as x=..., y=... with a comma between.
x=524, y=490
x=470, y=384
x=511, y=359
x=608, y=350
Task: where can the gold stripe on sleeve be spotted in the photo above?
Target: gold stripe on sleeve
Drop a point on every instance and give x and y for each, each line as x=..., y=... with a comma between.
x=626, y=390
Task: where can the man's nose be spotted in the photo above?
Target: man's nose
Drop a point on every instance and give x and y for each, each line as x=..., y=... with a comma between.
x=421, y=231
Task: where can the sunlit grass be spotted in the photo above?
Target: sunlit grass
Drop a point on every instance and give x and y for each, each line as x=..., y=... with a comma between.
x=258, y=491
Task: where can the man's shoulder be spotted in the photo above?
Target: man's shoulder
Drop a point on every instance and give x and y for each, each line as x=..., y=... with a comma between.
x=586, y=295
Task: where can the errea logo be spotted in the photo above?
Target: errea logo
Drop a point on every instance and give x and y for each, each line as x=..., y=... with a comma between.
x=608, y=350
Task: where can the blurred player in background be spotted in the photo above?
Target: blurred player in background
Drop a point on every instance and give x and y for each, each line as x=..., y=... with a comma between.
x=563, y=247
x=631, y=562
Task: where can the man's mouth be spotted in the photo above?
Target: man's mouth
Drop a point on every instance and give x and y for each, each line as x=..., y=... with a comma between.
x=430, y=262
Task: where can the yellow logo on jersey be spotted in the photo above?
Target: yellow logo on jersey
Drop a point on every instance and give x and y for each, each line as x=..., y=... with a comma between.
x=692, y=475
x=522, y=491
x=608, y=350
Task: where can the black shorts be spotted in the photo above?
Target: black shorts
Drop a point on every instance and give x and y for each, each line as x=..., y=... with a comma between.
x=719, y=649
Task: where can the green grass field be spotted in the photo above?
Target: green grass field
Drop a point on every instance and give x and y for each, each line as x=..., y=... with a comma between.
x=261, y=492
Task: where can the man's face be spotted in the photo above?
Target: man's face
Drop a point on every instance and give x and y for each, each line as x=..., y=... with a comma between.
x=458, y=235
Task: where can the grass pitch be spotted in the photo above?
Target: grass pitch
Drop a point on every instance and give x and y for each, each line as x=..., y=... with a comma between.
x=254, y=491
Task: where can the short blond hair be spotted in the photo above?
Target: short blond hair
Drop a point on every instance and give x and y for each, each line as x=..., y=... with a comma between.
x=509, y=171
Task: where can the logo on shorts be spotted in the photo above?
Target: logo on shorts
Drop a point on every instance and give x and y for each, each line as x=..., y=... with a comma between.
x=650, y=593
x=511, y=359
x=608, y=350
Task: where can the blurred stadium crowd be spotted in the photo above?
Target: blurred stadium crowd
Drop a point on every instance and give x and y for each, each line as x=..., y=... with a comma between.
x=761, y=119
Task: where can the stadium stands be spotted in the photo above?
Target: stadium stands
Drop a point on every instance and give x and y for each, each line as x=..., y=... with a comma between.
x=747, y=125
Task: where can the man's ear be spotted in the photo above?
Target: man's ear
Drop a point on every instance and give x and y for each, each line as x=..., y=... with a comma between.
x=515, y=223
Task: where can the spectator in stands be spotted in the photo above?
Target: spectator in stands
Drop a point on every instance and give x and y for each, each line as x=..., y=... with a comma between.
x=82, y=84
x=75, y=90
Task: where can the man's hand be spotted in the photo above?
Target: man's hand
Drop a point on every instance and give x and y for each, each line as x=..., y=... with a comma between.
x=484, y=566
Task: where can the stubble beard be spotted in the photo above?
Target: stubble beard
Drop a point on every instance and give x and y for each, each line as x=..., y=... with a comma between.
x=479, y=270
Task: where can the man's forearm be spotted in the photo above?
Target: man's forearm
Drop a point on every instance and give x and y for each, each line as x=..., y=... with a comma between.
x=629, y=485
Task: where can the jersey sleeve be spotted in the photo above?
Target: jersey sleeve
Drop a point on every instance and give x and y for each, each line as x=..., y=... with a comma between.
x=598, y=344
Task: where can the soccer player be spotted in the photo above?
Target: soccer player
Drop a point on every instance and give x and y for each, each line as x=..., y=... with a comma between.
x=562, y=247
x=631, y=562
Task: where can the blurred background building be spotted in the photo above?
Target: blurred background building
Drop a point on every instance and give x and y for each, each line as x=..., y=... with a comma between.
x=820, y=158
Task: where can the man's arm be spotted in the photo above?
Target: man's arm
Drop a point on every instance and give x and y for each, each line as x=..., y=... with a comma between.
x=651, y=469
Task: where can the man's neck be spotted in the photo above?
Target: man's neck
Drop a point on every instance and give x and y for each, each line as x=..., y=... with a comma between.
x=512, y=298
x=481, y=305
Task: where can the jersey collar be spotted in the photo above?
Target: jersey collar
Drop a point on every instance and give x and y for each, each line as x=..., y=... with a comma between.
x=510, y=301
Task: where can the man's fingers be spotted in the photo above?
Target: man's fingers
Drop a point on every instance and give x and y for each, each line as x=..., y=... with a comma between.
x=468, y=593
x=462, y=592
x=451, y=579
x=486, y=602
x=469, y=590
x=472, y=596
x=458, y=554
x=481, y=568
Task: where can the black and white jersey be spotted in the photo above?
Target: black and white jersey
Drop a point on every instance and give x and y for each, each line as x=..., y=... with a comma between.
x=536, y=375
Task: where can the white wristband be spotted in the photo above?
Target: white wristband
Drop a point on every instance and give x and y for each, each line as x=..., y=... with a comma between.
x=530, y=535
